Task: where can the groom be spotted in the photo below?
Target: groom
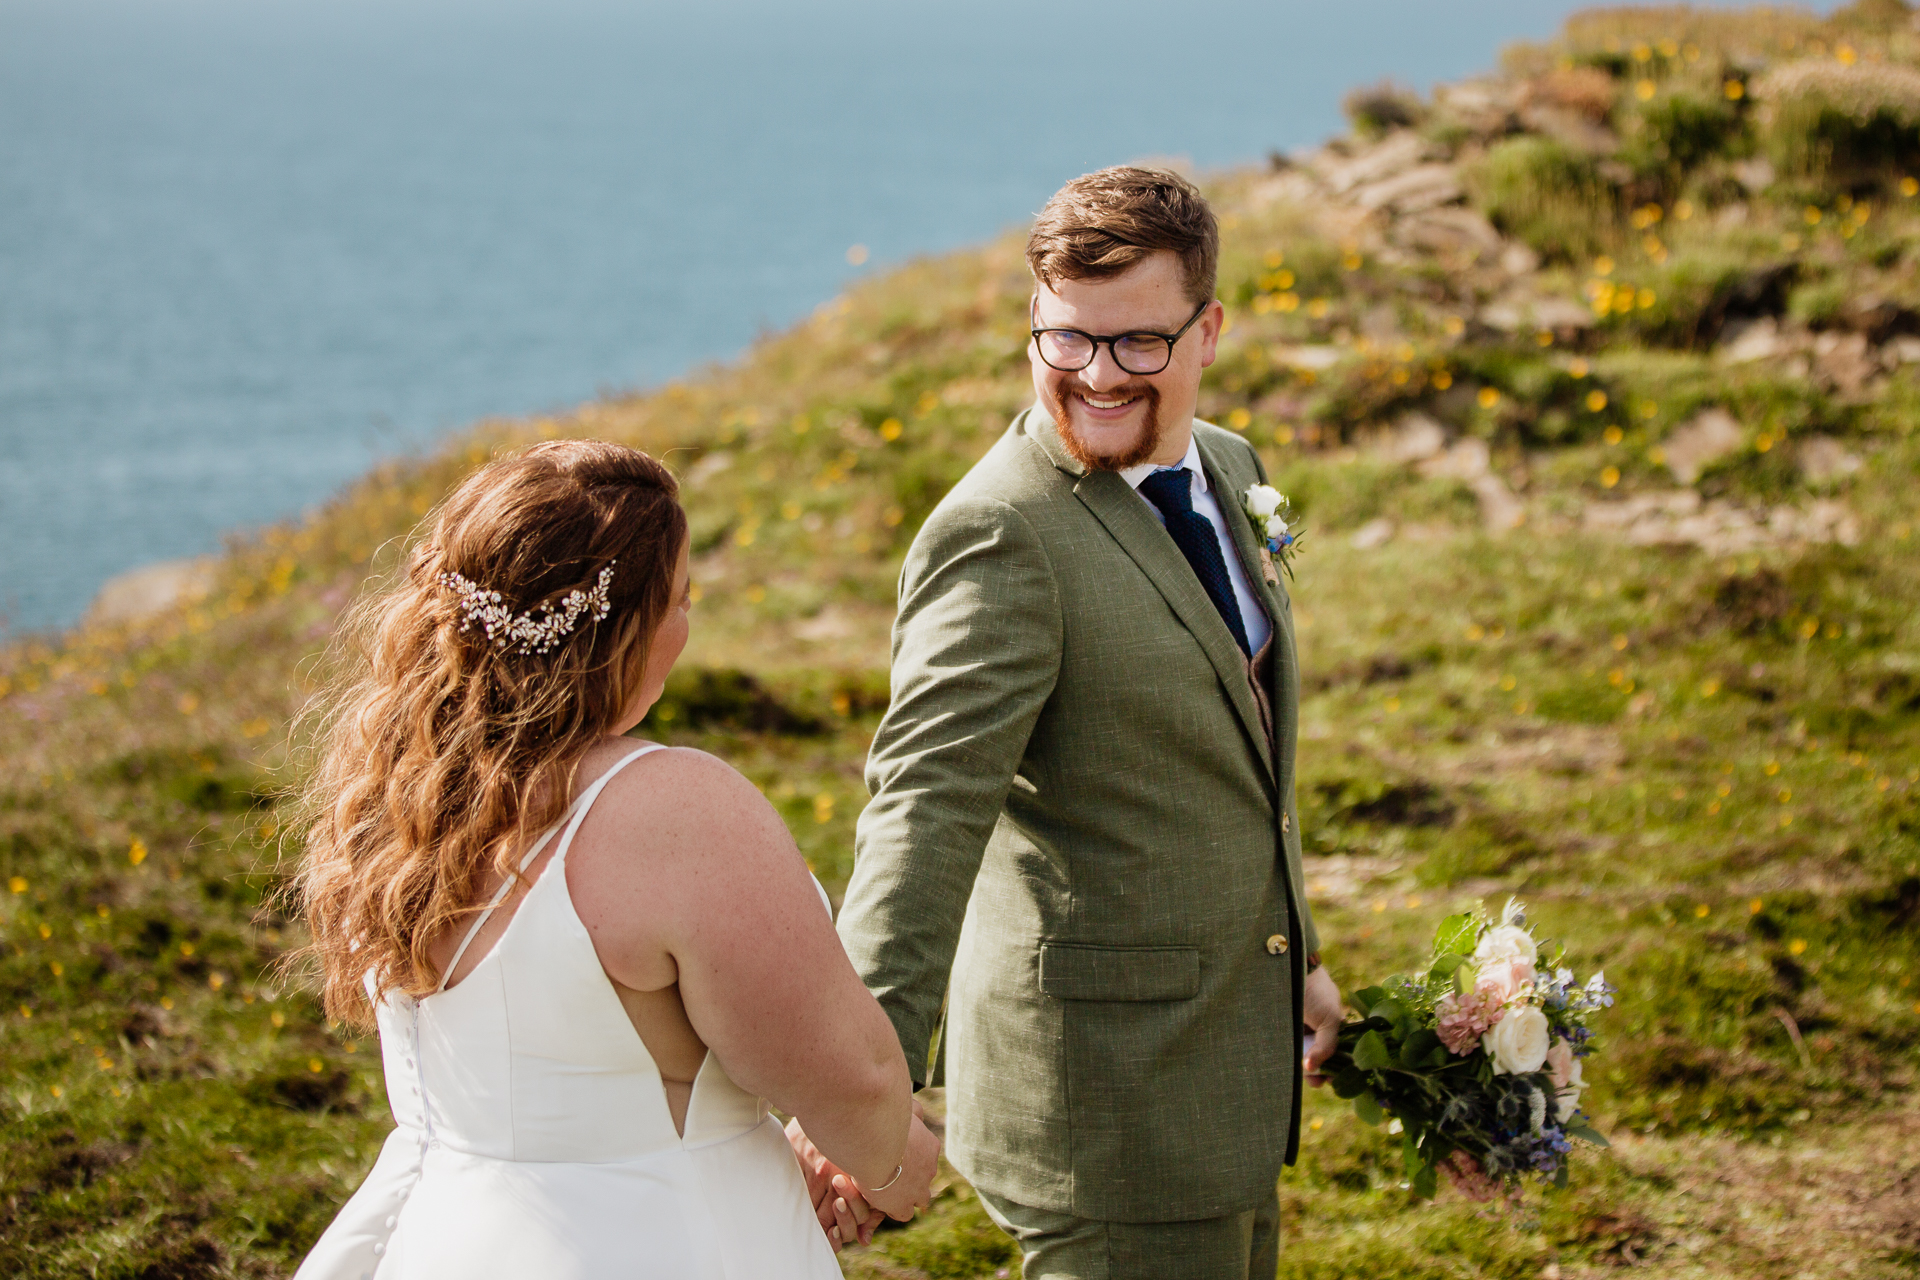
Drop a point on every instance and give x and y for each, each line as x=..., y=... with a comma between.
x=1082, y=836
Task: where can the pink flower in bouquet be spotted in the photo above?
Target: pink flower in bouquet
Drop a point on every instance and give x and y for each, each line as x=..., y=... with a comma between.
x=1568, y=1079
x=1506, y=977
x=1560, y=1062
x=1463, y=1019
x=1472, y=1181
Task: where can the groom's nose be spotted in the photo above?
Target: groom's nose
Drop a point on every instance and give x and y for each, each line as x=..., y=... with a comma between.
x=1103, y=374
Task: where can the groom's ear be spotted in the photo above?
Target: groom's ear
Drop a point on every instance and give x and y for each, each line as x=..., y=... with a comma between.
x=1211, y=326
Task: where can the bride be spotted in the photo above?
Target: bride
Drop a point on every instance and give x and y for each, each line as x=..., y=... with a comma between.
x=593, y=963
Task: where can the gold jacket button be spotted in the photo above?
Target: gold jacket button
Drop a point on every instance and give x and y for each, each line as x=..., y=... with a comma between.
x=1277, y=945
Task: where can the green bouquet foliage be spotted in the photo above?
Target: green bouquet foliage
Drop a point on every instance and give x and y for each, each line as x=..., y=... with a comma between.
x=1478, y=1057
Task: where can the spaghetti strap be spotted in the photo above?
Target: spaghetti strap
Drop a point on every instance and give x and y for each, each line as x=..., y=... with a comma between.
x=571, y=819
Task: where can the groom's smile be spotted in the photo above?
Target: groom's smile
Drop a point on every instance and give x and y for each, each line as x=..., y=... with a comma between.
x=1110, y=417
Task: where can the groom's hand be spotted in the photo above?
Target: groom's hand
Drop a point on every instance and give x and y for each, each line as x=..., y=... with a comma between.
x=1322, y=1013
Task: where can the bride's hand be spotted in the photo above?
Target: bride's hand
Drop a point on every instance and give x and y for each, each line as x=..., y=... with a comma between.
x=844, y=1217
x=912, y=1191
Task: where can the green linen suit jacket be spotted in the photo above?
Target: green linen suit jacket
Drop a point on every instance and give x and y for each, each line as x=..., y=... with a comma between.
x=1081, y=838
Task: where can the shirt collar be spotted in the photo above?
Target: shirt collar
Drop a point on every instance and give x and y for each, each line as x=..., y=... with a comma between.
x=1134, y=475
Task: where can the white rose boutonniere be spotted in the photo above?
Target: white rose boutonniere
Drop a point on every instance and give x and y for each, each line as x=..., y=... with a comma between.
x=1270, y=511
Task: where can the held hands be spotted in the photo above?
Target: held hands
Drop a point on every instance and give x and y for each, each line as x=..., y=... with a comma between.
x=912, y=1191
x=844, y=1211
x=1322, y=1013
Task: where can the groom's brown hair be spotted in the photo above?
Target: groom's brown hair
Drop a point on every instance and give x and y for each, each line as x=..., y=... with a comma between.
x=1102, y=224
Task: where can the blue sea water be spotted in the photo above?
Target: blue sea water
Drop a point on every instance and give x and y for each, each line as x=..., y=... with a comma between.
x=249, y=247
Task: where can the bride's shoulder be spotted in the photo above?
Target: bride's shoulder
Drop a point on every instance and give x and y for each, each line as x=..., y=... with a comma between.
x=681, y=788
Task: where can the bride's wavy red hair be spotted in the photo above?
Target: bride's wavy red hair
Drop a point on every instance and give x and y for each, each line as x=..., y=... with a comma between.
x=442, y=755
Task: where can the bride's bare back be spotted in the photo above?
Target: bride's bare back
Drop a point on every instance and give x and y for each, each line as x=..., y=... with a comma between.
x=705, y=919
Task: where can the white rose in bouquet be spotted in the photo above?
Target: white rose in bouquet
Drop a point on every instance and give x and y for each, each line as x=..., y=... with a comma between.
x=1518, y=1042
x=1276, y=527
x=1507, y=942
x=1263, y=500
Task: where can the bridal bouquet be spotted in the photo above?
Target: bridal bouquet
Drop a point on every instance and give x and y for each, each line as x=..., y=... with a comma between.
x=1479, y=1058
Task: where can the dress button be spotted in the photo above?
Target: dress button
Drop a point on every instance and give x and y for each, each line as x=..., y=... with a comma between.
x=379, y=1249
x=1277, y=945
x=391, y=1222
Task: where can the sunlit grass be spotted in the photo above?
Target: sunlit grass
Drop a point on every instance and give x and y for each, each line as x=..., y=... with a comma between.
x=1701, y=770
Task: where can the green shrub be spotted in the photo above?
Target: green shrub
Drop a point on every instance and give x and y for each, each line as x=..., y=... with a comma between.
x=1839, y=123
x=1546, y=194
x=1379, y=108
x=1818, y=303
x=1685, y=301
x=1681, y=129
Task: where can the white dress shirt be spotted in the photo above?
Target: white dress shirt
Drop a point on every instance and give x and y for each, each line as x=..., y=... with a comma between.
x=1253, y=614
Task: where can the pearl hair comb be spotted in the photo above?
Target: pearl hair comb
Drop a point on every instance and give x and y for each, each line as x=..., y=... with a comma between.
x=533, y=634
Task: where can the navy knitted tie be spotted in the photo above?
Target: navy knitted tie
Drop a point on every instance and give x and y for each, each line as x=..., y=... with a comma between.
x=1171, y=491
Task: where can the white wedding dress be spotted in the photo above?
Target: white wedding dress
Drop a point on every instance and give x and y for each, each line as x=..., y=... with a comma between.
x=533, y=1139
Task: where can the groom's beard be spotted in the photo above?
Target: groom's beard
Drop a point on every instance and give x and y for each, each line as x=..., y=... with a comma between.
x=1142, y=449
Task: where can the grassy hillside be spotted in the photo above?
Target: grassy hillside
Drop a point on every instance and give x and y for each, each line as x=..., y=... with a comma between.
x=1595, y=380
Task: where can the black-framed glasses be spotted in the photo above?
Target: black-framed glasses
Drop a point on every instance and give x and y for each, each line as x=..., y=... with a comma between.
x=1142, y=353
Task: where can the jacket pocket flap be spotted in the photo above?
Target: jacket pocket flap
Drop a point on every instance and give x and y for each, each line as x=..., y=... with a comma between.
x=1073, y=971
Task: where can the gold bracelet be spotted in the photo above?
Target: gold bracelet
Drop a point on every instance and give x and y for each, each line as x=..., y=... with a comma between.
x=897, y=1171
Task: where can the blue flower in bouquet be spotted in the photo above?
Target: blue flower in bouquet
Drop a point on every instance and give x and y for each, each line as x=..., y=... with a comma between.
x=1549, y=1150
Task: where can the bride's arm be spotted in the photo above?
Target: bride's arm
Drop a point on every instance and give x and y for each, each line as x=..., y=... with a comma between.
x=693, y=878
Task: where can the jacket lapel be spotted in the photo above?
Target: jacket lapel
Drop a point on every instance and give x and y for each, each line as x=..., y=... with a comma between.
x=1230, y=483
x=1127, y=518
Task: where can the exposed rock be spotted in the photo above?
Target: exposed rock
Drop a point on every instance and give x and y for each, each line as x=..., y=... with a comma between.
x=1470, y=462
x=1374, y=533
x=1483, y=107
x=1519, y=260
x=1680, y=518
x=1703, y=440
x=1295, y=186
x=1469, y=459
x=1457, y=233
x=707, y=468
x=1759, y=293
x=1824, y=460
x=151, y=589
x=1845, y=360
x=1901, y=349
x=1425, y=186
x=1879, y=318
x=1313, y=356
x=829, y=624
x=1825, y=520
x=1751, y=340
x=1626, y=513
x=1572, y=128
x=1588, y=91
x=1522, y=309
x=1756, y=175
x=1500, y=510
x=1395, y=154
x=1416, y=437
